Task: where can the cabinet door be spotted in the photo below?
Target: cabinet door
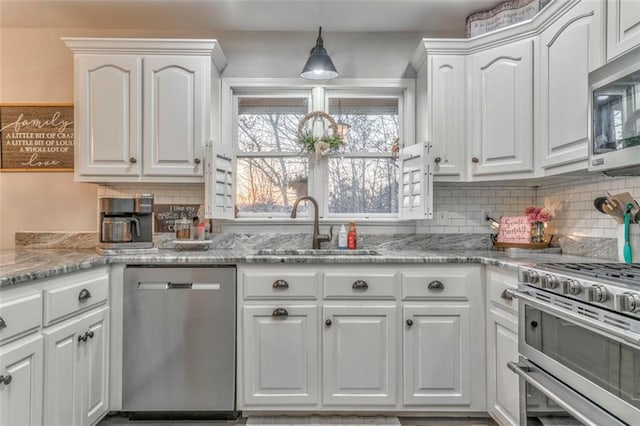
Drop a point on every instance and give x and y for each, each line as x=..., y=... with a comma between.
x=280, y=354
x=446, y=125
x=569, y=49
x=108, y=115
x=437, y=355
x=21, y=398
x=623, y=26
x=359, y=348
x=62, y=373
x=501, y=131
x=175, y=115
x=502, y=383
x=95, y=366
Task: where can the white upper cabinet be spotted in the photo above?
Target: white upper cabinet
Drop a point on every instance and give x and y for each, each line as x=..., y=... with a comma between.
x=176, y=115
x=143, y=108
x=440, y=112
x=501, y=117
x=107, y=115
x=623, y=26
x=569, y=49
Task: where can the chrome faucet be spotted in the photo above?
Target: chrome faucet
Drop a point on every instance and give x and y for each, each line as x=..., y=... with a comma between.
x=317, y=236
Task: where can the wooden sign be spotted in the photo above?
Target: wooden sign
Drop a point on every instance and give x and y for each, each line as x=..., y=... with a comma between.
x=514, y=229
x=36, y=137
x=165, y=215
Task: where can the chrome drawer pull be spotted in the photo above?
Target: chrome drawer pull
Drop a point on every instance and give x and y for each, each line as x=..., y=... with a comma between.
x=280, y=284
x=280, y=312
x=84, y=294
x=435, y=285
x=507, y=294
x=360, y=285
x=3, y=323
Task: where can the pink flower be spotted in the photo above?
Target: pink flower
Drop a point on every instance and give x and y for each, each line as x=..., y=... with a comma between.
x=529, y=209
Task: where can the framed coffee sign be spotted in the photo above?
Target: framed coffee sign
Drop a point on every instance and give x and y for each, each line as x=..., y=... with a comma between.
x=36, y=137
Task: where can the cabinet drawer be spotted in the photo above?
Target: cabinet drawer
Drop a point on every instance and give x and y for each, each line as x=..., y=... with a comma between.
x=20, y=315
x=497, y=283
x=381, y=285
x=278, y=285
x=450, y=284
x=80, y=293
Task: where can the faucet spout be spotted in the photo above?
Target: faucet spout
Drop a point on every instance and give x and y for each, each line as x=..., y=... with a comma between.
x=317, y=238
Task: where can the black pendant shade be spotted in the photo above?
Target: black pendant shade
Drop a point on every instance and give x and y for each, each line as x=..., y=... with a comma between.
x=319, y=65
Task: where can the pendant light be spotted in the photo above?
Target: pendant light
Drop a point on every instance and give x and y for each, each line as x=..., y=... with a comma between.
x=319, y=65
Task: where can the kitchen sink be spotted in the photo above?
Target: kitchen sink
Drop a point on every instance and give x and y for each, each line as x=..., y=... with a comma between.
x=317, y=252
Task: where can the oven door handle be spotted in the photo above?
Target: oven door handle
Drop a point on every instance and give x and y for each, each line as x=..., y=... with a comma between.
x=627, y=336
x=582, y=410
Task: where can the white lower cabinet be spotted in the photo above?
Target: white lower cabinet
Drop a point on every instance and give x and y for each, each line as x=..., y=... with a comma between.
x=76, y=369
x=437, y=355
x=389, y=338
x=280, y=355
x=359, y=354
x=502, y=347
x=21, y=383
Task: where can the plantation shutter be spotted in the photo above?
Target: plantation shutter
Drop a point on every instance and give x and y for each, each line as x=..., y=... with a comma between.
x=219, y=182
x=415, y=192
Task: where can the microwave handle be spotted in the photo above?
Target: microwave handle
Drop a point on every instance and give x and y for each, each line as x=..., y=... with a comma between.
x=582, y=410
x=627, y=336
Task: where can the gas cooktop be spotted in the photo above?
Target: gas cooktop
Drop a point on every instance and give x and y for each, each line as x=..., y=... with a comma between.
x=613, y=272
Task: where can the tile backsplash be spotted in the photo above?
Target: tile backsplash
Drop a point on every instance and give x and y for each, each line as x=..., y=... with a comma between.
x=459, y=208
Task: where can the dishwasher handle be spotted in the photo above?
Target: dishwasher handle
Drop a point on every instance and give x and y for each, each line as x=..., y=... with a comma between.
x=148, y=285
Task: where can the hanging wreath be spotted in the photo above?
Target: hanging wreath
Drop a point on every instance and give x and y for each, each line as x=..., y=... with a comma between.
x=321, y=145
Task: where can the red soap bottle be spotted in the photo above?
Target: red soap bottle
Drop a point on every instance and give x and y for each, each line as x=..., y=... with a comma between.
x=352, y=237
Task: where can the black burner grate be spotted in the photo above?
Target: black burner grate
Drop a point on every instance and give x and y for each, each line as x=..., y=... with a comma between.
x=618, y=272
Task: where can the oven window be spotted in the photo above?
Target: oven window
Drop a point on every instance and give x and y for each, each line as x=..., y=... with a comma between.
x=609, y=364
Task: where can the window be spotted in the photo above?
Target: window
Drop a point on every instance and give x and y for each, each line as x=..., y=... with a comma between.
x=364, y=178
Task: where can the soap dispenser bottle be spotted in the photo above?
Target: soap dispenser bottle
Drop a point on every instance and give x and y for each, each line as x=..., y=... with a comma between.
x=342, y=238
x=352, y=237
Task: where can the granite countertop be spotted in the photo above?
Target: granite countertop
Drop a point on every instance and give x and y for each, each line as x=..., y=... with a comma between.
x=25, y=265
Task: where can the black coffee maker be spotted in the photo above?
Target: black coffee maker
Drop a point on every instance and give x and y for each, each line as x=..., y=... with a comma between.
x=126, y=222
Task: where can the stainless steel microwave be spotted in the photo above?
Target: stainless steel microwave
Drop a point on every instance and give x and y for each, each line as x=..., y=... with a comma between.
x=614, y=120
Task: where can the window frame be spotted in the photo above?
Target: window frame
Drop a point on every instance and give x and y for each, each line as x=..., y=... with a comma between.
x=319, y=95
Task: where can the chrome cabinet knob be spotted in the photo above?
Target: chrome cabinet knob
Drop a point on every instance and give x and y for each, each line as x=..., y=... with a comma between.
x=360, y=285
x=570, y=286
x=3, y=323
x=196, y=160
x=90, y=335
x=6, y=379
x=409, y=322
x=133, y=160
x=328, y=322
x=598, y=293
x=82, y=338
x=437, y=160
x=475, y=160
x=629, y=302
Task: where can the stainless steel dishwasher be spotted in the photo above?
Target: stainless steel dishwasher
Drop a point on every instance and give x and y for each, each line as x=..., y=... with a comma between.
x=179, y=340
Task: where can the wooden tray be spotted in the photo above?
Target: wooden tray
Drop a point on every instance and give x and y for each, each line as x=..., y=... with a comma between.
x=522, y=245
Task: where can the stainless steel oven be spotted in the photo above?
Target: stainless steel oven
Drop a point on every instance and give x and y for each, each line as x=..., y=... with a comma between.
x=579, y=341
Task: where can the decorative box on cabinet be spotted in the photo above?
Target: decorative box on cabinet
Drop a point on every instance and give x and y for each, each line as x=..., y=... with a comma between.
x=502, y=346
x=143, y=108
x=570, y=48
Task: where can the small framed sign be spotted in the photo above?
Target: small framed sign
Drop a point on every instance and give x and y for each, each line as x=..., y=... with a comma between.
x=166, y=214
x=514, y=229
x=36, y=138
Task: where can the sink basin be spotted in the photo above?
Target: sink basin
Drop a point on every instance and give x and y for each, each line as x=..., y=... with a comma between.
x=317, y=252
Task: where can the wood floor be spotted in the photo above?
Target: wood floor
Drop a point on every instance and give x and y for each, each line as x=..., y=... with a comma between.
x=118, y=420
